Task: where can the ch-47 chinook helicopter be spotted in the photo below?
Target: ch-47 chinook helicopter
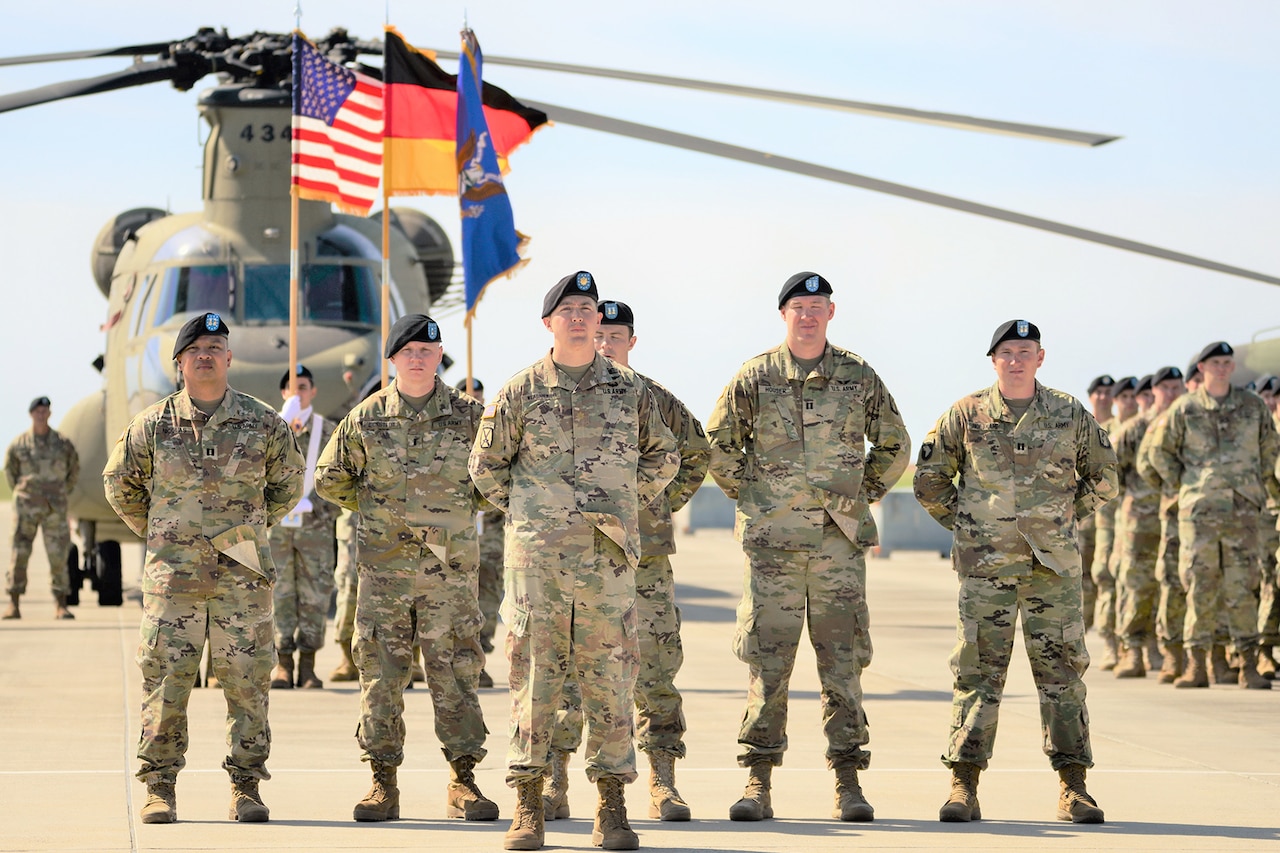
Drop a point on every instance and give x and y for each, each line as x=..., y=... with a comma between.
x=158, y=269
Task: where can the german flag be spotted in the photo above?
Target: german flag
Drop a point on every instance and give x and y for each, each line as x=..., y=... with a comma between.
x=421, y=108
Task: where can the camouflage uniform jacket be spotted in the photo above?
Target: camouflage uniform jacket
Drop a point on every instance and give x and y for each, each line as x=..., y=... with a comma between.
x=1214, y=450
x=1105, y=518
x=193, y=488
x=1147, y=471
x=1139, y=500
x=405, y=472
x=657, y=533
x=1022, y=485
x=563, y=462
x=793, y=449
x=41, y=468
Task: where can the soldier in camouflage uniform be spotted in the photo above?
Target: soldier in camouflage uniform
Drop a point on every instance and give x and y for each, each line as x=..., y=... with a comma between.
x=1101, y=404
x=1269, y=535
x=1102, y=399
x=303, y=548
x=660, y=719
x=41, y=467
x=345, y=582
x=804, y=438
x=492, y=530
x=1220, y=445
x=570, y=450
x=201, y=476
x=400, y=459
x=1030, y=461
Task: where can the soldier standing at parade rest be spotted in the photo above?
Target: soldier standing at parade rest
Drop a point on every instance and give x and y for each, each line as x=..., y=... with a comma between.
x=41, y=467
x=302, y=547
x=201, y=476
x=1100, y=402
x=400, y=459
x=491, y=527
x=660, y=723
x=804, y=438
x=570, y=449
x=1269, y=536
x=1030, y=462
x=1219, y=444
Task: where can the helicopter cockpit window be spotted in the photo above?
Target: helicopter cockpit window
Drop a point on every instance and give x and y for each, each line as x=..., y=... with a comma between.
x=331, y=293
x=201, y=288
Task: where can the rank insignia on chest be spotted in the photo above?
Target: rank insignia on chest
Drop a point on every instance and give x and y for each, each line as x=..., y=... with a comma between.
x=211, y=453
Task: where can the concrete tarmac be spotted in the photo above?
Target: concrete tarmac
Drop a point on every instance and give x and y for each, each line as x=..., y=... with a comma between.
x=1176, y=770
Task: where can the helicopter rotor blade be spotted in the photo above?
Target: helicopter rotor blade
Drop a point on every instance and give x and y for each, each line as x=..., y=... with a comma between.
x=606, y=124
x=136, y=75
x=962, y=122
x=131, y=50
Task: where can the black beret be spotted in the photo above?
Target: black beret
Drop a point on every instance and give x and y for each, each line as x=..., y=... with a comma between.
x=1144, y=384
x=37, y=403
x=1267, y=383
x=205, y=324
x=476, y=385
x=411, y=327
x=580, y=283
x=1169, y=372
x=617, y=314
x=1126, y=383
x=1193, y=370
x=302, y=373
x=804, y=284
x=1014, y=330
x=1216, y=348
x=1103, y=381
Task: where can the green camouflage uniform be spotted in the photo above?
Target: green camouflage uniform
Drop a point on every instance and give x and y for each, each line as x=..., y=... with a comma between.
x=406, y=474
x=660, y=723
x=1223, y=456
x=203, y=492
x=492, y=533
x=345, y=576
x=1171, y=609
x=804, y=455
x=1102, y=568
x=42, y=471
x=1022, y=485
x=1269, y=593
x=1137, y=539
x=571, y=467
x=305, y=558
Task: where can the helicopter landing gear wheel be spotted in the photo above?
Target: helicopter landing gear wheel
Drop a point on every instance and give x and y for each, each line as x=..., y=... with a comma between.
x=110, y=579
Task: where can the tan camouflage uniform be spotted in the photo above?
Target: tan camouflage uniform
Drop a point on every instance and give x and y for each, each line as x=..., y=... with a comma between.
x=406, y=474
x=492, y=534
x=41, y=471
x=1171, y=611
x=1222, y=455
x=1137, y=539
x=1102, y=568
x=1022, y=486
x=345, y=576
x=804, y=456
x=203, y=493
x=571, y=467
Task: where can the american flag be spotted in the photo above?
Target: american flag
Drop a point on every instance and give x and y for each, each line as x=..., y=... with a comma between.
x=337, y=131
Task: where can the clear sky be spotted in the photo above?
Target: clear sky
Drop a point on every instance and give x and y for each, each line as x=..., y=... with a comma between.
x=699, y=247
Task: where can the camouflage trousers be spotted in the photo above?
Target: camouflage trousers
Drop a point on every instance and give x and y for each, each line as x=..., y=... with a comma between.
x=1137, y=588
x=345, y=581
x=492, y=532
x=1171, y=612
x=1052, y=614
x=1086, y=538
x=781, y=589
x=304, y=584
x=236, y=616
x=1218, y=566
x=1102, y=571
x=1269, y=591
x=660, y=724
x=51, y=518
x=437, y=608
x=578, y=619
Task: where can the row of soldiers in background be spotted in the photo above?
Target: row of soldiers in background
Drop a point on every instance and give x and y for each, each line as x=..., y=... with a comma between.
x=1183, y=565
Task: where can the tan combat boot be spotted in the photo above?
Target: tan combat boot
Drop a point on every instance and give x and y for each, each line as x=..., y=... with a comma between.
x=1249, y=677
x=162, y=802
x=1222, y=671
x=464, y=799
x=60, y=610
x=665, y=802
x=1074, y=803
x=282, y=675
x=1266, y=663
x=345, y=671
x=383, y=800
x=1155, y=658
x=611, y=830
x=555, y=796
x=756, y=803
x=12, y=611
x=962, y=806
x=850, y=803
x=1174, y=659
x=1110, y=654
x=1131, y=665
x=307, y=677
x=527, y=828
x=246, y=804
x=1197, y=674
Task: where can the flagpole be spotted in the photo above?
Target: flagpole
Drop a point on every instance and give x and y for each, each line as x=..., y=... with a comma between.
x=295, y=265
x=386, y=269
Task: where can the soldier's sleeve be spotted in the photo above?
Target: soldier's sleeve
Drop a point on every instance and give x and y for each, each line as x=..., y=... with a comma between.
x=1095, y=465
x=495, y=449
x=890, y=449
x=1269, y=443
x=284, y=469
x=728, y=430
x=126, y=479
x=695, y=454
x=1142, y=459
x=1126, y=457
x=1165, y=452
x=11, y=472
x=941, y=456
x=340, y=466
x=658, y=462
x=73, y=465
